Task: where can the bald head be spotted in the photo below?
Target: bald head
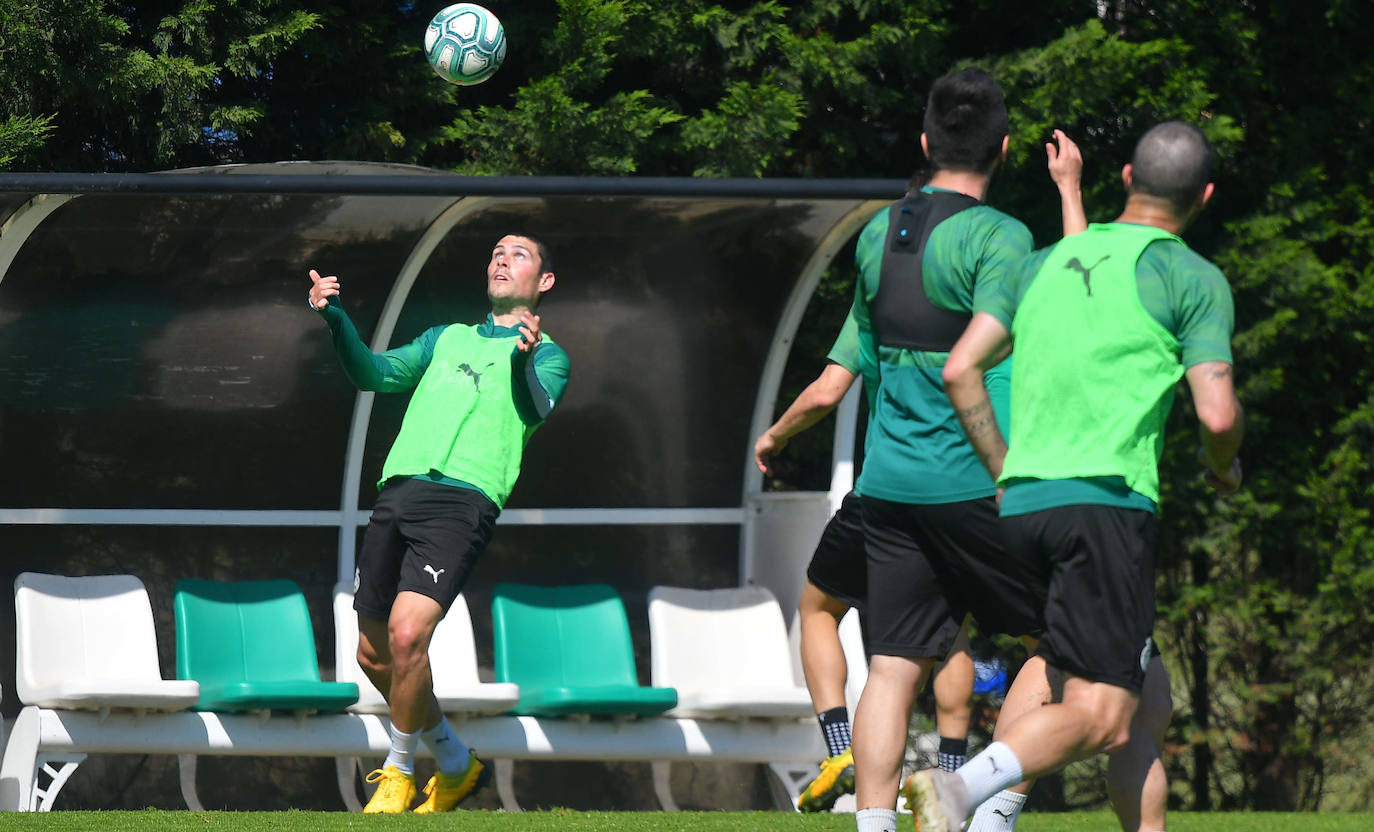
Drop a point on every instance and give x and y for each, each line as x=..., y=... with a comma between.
x=1172, y=161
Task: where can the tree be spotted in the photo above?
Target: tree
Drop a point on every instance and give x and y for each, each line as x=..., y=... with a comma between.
x=95, y=86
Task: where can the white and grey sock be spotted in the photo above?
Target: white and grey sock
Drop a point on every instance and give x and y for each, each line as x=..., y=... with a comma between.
x=402, y=754
x=450, y=753
x=998, y=813
x=876, y=820
x=989, y=771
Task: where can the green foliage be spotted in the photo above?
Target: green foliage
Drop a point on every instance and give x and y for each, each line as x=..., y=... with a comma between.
x=134, y=88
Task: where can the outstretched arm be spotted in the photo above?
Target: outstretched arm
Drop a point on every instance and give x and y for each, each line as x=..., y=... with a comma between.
x=984, y=344
x=1066, y=169
x=395, y=370
x=818, y=399
x=1221, y=423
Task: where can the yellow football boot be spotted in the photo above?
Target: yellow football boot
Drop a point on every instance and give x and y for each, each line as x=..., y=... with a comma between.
x=836, y=778
x=395, y=791
x=443, y=792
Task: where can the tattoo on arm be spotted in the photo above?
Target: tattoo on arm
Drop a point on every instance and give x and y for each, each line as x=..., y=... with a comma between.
x=1219, y=371
x=980, y=425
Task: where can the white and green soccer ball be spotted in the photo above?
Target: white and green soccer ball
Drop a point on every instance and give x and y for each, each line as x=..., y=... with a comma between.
x=465, y=43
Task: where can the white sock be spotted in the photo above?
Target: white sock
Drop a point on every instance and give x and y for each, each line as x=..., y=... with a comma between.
x=876, y=820
x=991, y=770
x=402, y=754
x=449, y=752
x=998, y=813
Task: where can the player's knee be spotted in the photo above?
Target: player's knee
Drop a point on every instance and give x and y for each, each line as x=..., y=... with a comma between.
x=409, y=641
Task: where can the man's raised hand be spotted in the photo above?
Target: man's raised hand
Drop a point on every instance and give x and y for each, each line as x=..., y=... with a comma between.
x=1065, y=161
x=321, y=289
x=529, y=332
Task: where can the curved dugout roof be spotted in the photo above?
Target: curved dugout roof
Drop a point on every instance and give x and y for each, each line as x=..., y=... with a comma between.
x=160, y=367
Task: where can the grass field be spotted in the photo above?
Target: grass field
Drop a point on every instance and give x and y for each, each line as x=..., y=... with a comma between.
x=569, y=821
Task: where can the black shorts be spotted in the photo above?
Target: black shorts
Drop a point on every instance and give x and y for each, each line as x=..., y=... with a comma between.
x=1101, y=606
x=839, y=567
x=423, y=537
x=930, y=565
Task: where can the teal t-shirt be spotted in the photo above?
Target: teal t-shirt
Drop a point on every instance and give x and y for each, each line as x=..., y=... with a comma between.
x=916, y=451
x=1180, y=290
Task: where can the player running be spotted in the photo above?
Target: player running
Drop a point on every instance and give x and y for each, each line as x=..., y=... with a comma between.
x=480, y=393
x=1092, y=387
x=933, y=539
x=836, y=580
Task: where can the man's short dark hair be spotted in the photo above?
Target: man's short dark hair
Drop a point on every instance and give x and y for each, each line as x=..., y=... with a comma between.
x=965, y=122
x=1172, y=161
x=545, y=255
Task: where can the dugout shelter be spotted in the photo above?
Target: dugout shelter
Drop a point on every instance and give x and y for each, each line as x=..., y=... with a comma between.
x=170, y=407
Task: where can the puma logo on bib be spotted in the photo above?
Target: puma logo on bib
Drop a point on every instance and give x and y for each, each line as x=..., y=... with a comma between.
x=1087, y=271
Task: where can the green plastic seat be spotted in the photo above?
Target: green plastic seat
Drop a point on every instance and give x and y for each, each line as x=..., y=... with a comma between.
x=569, y=650
x=251, y=646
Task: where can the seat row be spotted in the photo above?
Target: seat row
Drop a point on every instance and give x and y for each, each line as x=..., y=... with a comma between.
x=248, y=682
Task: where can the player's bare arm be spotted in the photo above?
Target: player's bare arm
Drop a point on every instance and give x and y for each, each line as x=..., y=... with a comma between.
x=813, y=404
x=982, y=346
x=321, y=289
x=1221, y=422
x=1066, y=169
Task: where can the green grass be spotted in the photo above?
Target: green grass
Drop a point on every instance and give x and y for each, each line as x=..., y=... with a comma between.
x=559, y=820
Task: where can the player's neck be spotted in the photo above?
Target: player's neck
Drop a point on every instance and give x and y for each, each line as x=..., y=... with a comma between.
x=1141, y=210
x=964, y=182
x=509, y=316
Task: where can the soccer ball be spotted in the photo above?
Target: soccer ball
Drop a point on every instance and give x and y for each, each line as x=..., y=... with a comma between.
x=465, y=44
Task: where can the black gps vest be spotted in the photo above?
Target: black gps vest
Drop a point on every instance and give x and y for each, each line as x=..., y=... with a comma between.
x=903, y=316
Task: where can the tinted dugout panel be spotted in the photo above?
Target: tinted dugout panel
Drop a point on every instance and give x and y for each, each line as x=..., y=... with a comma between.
x=667, y=309
x=158, y=351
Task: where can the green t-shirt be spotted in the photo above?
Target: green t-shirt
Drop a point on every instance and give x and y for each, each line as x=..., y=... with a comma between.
x=1179, y=290
x=477, y=399
x=916, y=451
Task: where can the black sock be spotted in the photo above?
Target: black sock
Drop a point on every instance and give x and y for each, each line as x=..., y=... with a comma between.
x=953, y=752
x=835, y=729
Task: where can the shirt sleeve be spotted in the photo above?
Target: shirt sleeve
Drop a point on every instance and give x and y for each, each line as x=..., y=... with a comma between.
x=1004, y=246
x=1001, y=299
x=394, y=371
x=845, y=352
x=868, y=257
x=540, y=379
x=1191, y=298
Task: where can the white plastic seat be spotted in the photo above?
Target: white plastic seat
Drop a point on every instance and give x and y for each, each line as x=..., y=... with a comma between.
x=726, y=652
x=88, y=643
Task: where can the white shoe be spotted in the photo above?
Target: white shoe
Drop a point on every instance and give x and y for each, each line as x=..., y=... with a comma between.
x=938, y=799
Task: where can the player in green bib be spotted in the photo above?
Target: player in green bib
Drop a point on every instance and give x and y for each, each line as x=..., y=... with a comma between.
x=1104, y=324
x=479, y=393
x=932, y=538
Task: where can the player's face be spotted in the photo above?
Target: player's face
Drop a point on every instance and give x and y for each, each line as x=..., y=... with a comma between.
x=514, y=270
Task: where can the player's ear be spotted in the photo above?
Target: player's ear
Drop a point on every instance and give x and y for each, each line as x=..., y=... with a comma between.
x=1206, y=194
x=545, y=282
x=925, y=145
x=1003, y=156
x=1126, y=174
